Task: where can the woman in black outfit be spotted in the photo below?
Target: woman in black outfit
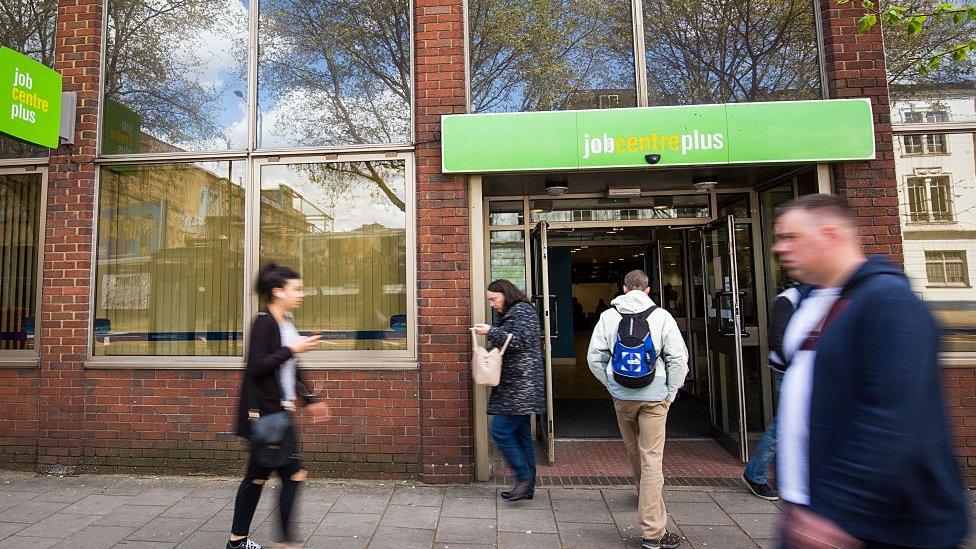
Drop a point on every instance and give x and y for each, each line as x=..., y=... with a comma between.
x=272, y=383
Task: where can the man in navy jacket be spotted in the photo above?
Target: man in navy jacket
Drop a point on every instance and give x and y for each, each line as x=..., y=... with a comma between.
x=866, y=458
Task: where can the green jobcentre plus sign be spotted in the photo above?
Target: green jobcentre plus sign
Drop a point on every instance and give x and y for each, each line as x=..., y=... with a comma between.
x=30, y=99
x=739, y=133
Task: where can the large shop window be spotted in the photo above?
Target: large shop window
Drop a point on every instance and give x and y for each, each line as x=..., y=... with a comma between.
x=334, y=73
x=20, y=213
x=730, y=51
x=175, y=76
x=542, y=56
x=27, y=26
x=343, y=226
x=170, y=260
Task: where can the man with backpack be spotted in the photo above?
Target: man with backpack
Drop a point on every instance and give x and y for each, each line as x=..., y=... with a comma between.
x=638, y=352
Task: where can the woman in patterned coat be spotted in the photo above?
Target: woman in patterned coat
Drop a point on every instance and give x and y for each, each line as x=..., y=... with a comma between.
x=521, y=390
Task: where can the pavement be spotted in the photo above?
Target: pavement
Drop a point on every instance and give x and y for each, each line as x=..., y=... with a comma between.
x=119, y=511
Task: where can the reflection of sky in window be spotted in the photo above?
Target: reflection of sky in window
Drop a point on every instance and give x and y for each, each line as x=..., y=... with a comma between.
x=357, y=206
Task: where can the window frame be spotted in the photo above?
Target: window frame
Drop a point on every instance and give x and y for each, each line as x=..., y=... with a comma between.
x=943, y=261
x=929, y=211
x=30, y=358
x=252, y=223
x=925, y=148
x=252, y=109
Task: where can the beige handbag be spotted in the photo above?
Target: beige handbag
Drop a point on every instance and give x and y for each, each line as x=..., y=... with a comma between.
x=486, y=366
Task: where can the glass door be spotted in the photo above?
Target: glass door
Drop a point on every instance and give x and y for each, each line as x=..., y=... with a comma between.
x=723, y=322
x=544, y=302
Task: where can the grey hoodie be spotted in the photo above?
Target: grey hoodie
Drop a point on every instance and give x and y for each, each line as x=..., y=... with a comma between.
x=672, y=354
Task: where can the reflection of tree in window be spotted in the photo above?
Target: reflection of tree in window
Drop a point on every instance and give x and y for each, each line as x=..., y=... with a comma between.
x=531, y=55
x=153, y=68
x=730, y=51
x=334, y=72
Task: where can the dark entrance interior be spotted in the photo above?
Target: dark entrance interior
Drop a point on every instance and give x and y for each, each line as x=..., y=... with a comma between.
x=586, y=267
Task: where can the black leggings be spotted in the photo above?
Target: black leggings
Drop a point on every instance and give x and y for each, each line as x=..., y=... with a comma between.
x=249, y=492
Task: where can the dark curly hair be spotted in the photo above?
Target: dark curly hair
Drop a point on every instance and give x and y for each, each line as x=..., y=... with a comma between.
x=511, y=292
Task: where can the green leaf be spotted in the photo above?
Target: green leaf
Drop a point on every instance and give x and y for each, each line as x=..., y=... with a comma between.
x=923, y=70
x=914, y=25
x=959, y=18
x=934, y=62
x=865, y=23
x=867, y=4
x=960, y=54
x=842, y=2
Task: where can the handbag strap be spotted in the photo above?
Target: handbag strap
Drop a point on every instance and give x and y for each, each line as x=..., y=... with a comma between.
x=505, y=345
x=474, y=341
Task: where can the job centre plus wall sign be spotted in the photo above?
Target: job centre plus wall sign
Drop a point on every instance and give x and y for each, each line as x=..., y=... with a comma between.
x=30, y=99
x=746, y=133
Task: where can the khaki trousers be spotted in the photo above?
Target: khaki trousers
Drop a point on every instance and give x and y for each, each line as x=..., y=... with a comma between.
x=642, y=428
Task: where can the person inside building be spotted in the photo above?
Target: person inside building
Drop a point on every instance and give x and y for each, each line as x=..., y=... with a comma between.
x=865, y=453
x=521, y=390
x=638, y=353
x=272, y=385
x=756, y=473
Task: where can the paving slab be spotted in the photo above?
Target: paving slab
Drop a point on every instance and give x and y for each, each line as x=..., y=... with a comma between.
x=419, y=496
x=527, y=521
x=58, y=526
x=469, y=507
x=401, y=538
x=361, y=503
x=31, y=512
x=166, y=529
x=348, y=524
x=757, y=525
x=703, y=513
x=522, y=540
x=453, y=530
x=130, y=515
x=25, y=542
x=743, y=502
x=581, y=510
x=578, y=534
x=332, y=542
x=714, y=537
x=96, y=536
x=408, y=516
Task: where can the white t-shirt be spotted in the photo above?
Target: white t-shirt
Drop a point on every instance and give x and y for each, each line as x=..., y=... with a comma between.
x=792, y=466
x=287, y=372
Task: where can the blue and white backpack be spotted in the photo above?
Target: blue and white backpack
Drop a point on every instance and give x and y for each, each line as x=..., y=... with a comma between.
x=634, y=358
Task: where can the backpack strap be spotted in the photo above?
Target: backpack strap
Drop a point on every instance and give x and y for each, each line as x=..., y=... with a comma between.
x=505, y=345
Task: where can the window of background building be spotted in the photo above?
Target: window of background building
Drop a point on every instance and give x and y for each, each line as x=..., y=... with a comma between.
x=946, y=268
x=343, y=226
x=169, y=266
x=929, y=199
x=541, y=56
x=27, y=26
x=933, y=143
x=20, y=212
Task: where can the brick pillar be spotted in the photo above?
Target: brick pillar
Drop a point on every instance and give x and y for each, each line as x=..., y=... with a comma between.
x=68, y=244
x=443, y=267
x=856, y=68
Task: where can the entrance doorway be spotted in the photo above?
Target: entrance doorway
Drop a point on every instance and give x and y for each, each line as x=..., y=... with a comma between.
x=707, y=257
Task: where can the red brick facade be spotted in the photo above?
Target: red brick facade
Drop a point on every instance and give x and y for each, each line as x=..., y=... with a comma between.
x=392, y=424
x=856, y=68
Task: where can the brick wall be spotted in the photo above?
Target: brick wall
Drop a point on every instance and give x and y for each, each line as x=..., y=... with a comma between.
x=181, y=420
x=18, y=418
x=68, y=243
x=442, y=255
x=960, y=390
x=856, y=68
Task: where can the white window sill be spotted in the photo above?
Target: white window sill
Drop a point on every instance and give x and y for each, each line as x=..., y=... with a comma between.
x=230, y=363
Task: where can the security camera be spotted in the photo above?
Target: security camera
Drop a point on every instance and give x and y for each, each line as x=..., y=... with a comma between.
x=652, y=158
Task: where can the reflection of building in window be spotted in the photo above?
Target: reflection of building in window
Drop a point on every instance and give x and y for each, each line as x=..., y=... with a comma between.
x=946, y=268
x=929, y=199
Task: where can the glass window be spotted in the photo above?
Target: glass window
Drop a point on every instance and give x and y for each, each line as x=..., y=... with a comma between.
x=175, y=76
x=508, y=212
x=929, y=199
x=342, y=225
x=27, y=26
x=334, y=72
x=730, y=51
x=507, y=251
x=946, y=268
x=20, y=202
x=934, y=143
x=621, y=209
x=544, y=56
x=170, y=260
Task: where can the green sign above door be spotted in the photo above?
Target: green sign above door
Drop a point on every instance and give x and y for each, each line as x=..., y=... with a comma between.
x=740, y=133
x=30, y=99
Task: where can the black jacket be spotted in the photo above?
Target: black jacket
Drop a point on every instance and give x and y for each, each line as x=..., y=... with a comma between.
x=265, y=355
